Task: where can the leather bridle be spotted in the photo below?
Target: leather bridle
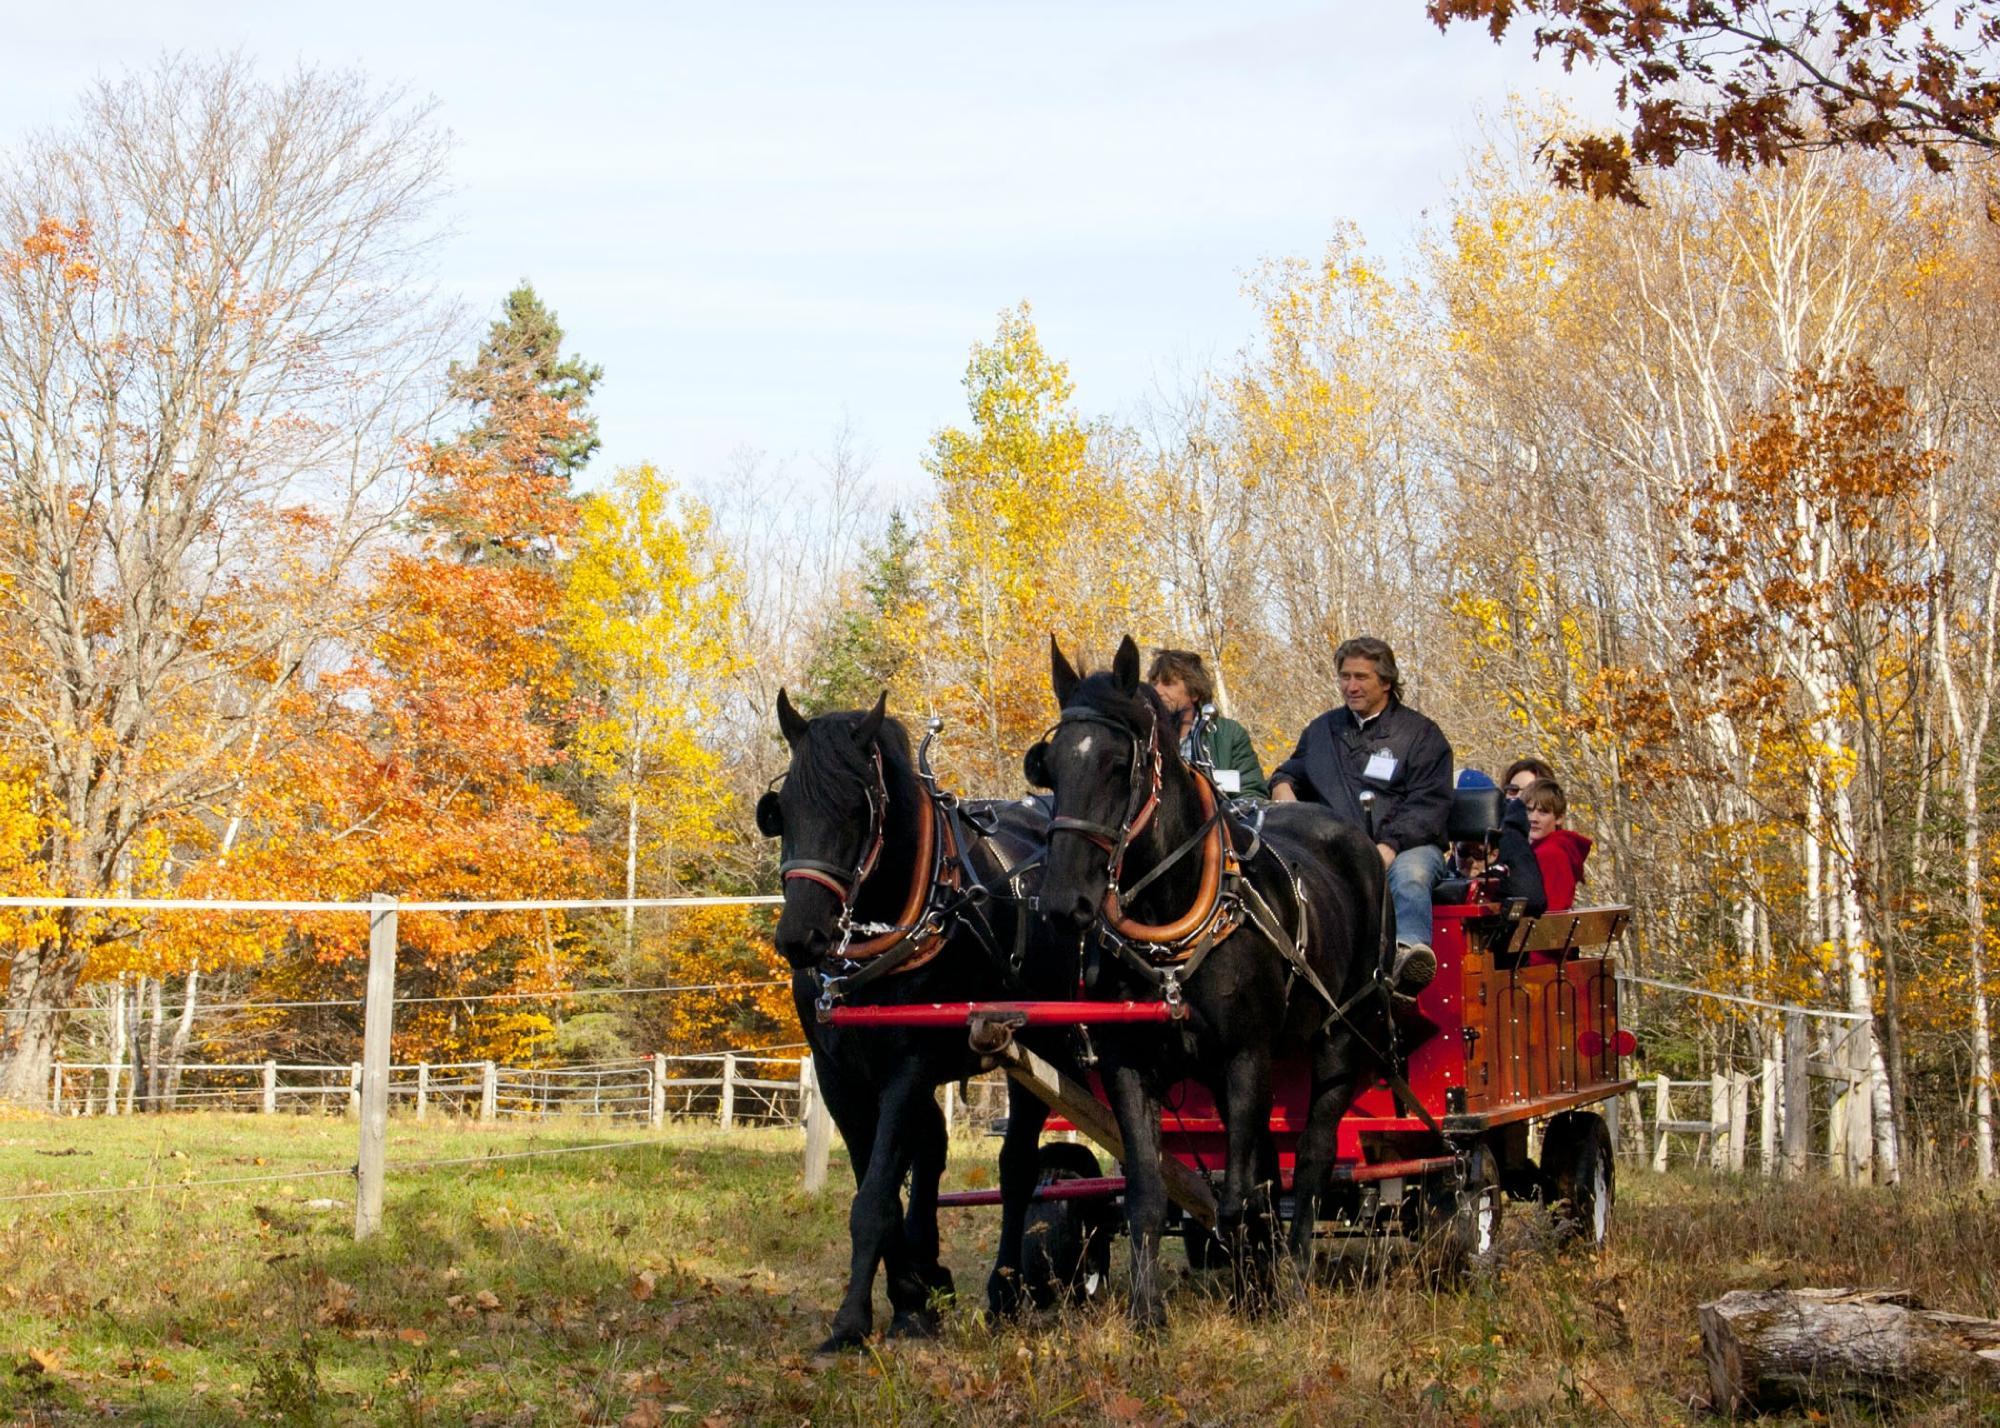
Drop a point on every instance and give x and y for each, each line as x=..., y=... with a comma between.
x=1142, y=800
x=1213, y=913
x=845, y=883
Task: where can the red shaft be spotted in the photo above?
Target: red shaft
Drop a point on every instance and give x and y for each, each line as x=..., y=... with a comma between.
x=945, y=1014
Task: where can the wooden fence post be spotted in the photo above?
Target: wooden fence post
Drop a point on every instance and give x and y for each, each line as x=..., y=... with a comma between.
x=423, y=1088
x=378, y=1021
x=1767, y=1117
x=1798, y=1096
x=728, y=1117
x=1663, y=1111
x=55, y=1091
x=354, y=1087
x=489, y=1091
x=1719, y=1149
x=1739, y=1118
x=950, y=1105
x=656, y=1109
x=270, y=1088
x=819, y=1128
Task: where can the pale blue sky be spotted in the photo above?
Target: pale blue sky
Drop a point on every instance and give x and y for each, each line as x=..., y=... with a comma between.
x=762, y=218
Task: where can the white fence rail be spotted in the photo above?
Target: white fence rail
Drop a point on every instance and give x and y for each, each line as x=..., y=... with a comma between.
x=1789, y=1088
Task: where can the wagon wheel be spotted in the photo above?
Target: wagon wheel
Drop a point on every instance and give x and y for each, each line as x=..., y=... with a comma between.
x=1579, y=1179
x=1066, y=1245
x=1461, y=1215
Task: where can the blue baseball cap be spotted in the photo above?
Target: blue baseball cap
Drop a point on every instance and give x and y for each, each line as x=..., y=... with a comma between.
x=1473, y=778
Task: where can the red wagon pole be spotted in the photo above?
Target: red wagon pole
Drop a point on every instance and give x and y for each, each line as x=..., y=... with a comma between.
x=948, y=1014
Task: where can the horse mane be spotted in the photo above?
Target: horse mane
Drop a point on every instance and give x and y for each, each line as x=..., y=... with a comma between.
x=829, y=768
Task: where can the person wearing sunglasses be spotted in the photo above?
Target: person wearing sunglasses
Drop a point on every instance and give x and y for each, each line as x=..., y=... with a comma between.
x=1522, y=774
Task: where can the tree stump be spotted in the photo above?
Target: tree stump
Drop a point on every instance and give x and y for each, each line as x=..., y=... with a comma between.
x=1771, y=1346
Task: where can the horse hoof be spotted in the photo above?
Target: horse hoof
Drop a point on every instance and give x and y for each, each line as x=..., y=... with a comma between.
x=914, y=1324
x=842, y=1341
x=1003, y=1295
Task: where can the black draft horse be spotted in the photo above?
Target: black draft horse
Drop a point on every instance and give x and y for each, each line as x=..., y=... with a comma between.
x=1262, y=933
x=896, y=894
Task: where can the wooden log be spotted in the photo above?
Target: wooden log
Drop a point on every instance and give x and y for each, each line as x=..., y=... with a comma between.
x=1768, y=1347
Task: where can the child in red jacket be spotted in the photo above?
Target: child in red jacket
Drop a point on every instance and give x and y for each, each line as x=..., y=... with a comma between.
x=1559, y=850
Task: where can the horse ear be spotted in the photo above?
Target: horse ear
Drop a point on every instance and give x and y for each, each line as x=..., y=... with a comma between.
x=1063, y=678
x=790, y=721
x=1125, y=665
x=871, y=722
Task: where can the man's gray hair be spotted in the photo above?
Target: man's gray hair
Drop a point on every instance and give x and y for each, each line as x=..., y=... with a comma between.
x=1378, y=653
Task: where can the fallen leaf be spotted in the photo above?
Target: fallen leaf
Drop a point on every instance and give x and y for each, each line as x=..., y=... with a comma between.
x=642, y=1285
x=413, y=1336
x=486, y=1299
x=646, y=1413
x=1123, y=1407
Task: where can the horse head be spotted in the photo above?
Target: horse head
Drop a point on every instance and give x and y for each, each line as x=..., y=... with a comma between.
x=1102, y=761
x=830, y=814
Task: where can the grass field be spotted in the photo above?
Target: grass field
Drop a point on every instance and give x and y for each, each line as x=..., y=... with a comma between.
x=685, y=1279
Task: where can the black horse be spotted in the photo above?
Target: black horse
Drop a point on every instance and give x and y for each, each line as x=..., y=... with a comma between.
x=895, y=894
x=1262, y=934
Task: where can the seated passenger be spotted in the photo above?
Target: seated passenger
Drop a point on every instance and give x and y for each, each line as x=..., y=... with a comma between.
x=1521, y=774
x=1378, y=746
x=1507, y=860
x=1182, y=682
x=1560, y=851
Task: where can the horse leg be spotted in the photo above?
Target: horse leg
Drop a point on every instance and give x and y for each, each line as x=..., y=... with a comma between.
x=874, y=1221
x=1020, y=1172
x=1145, y=1189
x=1243, y=1214
x=914, y=1274
x=1334, y=1083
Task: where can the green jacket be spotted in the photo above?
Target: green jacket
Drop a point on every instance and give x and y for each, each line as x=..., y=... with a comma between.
x=1229, y=747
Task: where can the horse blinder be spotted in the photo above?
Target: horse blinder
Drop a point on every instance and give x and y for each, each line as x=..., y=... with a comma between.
x=1035, y=765
x=770, y=816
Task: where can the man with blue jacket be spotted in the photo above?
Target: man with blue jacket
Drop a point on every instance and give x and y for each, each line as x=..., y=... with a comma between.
x=1376, y=745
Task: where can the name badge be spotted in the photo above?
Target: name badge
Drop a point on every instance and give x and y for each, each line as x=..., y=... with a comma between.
x=1381, y=766
x=1229, y=780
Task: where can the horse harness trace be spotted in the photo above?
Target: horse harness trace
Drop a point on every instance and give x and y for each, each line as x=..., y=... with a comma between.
x=945, y=892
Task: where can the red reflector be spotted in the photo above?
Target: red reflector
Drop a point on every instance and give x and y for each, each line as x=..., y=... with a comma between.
x=1590, y=1044
x=1626, y=1043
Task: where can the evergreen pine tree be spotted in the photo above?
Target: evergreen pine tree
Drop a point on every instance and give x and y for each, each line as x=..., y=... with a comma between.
x=521, y=356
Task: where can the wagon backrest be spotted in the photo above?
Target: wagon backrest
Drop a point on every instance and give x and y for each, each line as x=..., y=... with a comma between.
x=1475, y=815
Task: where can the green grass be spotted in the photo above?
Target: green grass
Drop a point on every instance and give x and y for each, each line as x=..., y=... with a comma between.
x=686, y=1279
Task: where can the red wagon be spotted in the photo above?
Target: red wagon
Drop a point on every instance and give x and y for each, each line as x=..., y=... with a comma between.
x=1519, y=1029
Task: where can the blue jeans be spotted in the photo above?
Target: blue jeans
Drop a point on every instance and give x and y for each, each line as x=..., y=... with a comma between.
x=1411, y=877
